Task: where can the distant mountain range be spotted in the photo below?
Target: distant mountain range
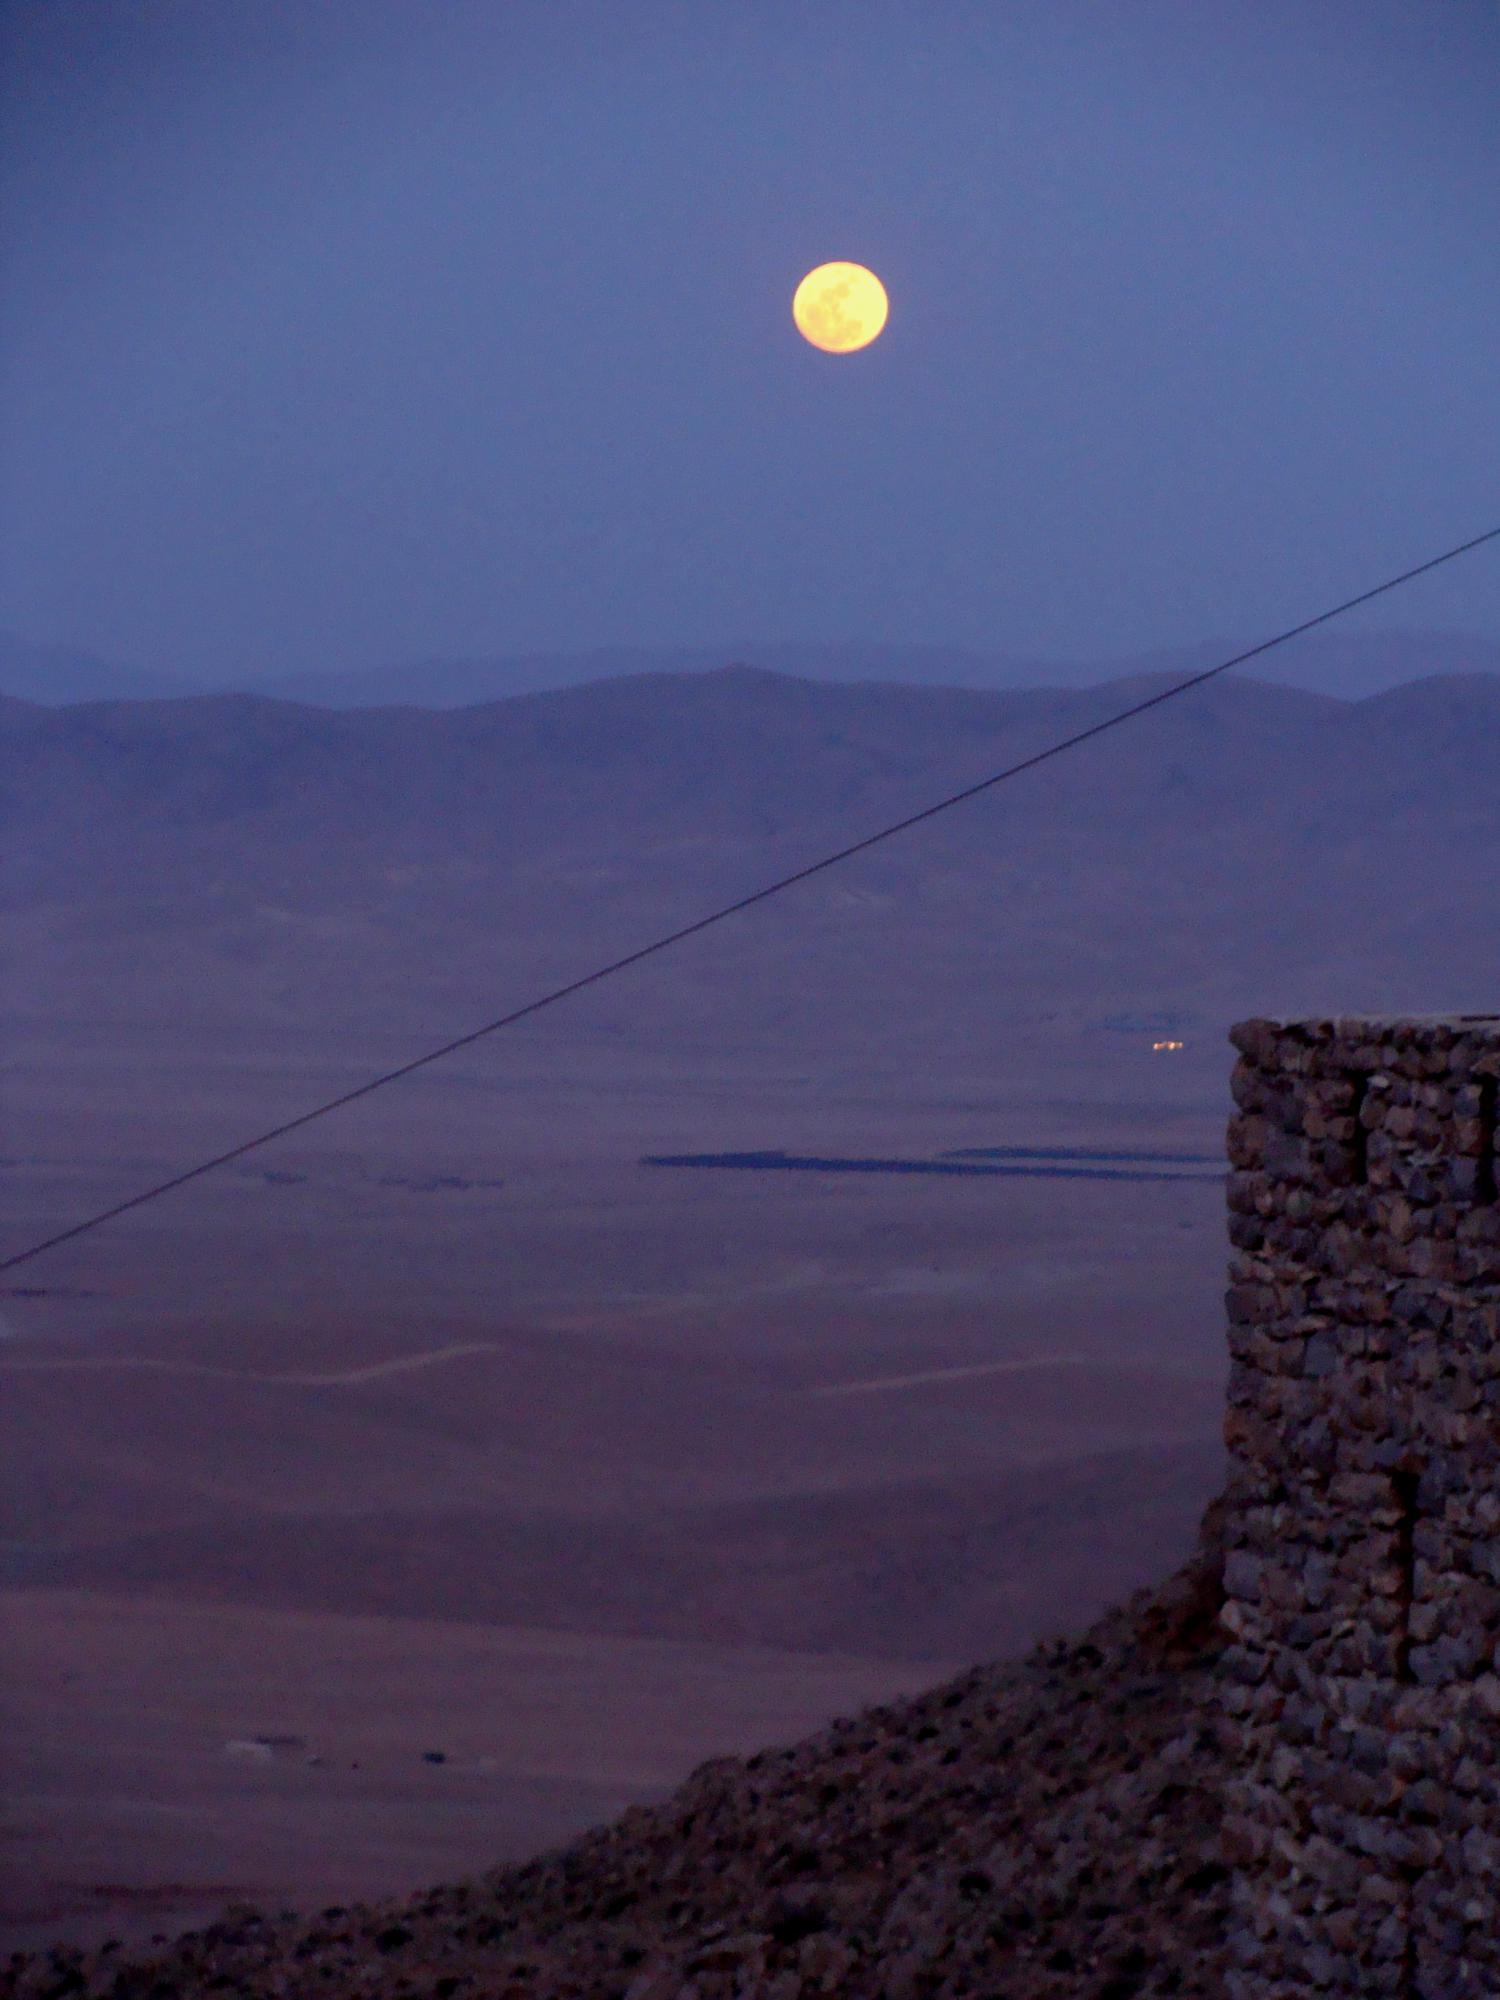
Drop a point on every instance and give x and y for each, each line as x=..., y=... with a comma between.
x=1248, y=847
x=1350, y=663
x=58, y=674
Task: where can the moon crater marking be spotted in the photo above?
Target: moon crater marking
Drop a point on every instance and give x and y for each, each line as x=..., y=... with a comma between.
x=840, y=307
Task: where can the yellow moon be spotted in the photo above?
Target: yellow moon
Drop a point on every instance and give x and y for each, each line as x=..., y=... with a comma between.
x=840, y=307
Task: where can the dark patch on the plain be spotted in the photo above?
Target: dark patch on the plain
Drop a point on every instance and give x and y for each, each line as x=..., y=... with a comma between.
x=47, y=1292
x=811, y=1163
x=1079, y=1153
x=435, y=1183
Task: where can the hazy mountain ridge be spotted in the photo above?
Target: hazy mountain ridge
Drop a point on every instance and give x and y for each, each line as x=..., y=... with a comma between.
x=483, y=849
x=1349, y=664
x=61, y=674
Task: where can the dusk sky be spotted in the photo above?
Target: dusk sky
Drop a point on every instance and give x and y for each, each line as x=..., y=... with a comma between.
x=346, y=332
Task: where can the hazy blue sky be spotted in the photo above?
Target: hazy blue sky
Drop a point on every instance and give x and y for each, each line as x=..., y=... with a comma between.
x=339, y=331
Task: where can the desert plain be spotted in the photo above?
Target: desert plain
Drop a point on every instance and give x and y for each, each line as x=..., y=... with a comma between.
x=456, y=1432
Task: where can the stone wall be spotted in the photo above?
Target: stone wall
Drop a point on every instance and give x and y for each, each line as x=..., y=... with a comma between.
x=1362, y=1681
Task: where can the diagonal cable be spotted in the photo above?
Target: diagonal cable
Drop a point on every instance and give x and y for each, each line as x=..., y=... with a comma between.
x=718, y=916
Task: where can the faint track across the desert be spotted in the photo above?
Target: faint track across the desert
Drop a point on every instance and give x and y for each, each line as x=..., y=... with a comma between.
x=409, y=1364
x=372, y=1371
x=874, y=1384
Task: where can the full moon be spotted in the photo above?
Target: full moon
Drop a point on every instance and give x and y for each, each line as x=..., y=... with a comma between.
x=840, y=307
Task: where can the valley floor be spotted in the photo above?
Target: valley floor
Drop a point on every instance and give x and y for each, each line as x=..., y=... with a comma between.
x=456, y=1430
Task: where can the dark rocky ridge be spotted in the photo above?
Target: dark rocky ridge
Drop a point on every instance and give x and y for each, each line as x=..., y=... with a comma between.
x=1037, y=1829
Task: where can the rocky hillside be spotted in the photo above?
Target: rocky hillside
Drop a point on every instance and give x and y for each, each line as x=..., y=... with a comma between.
x=1043, y=1828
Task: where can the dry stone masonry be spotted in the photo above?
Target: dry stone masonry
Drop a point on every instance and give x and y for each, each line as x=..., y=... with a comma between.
x=1362, y=1575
